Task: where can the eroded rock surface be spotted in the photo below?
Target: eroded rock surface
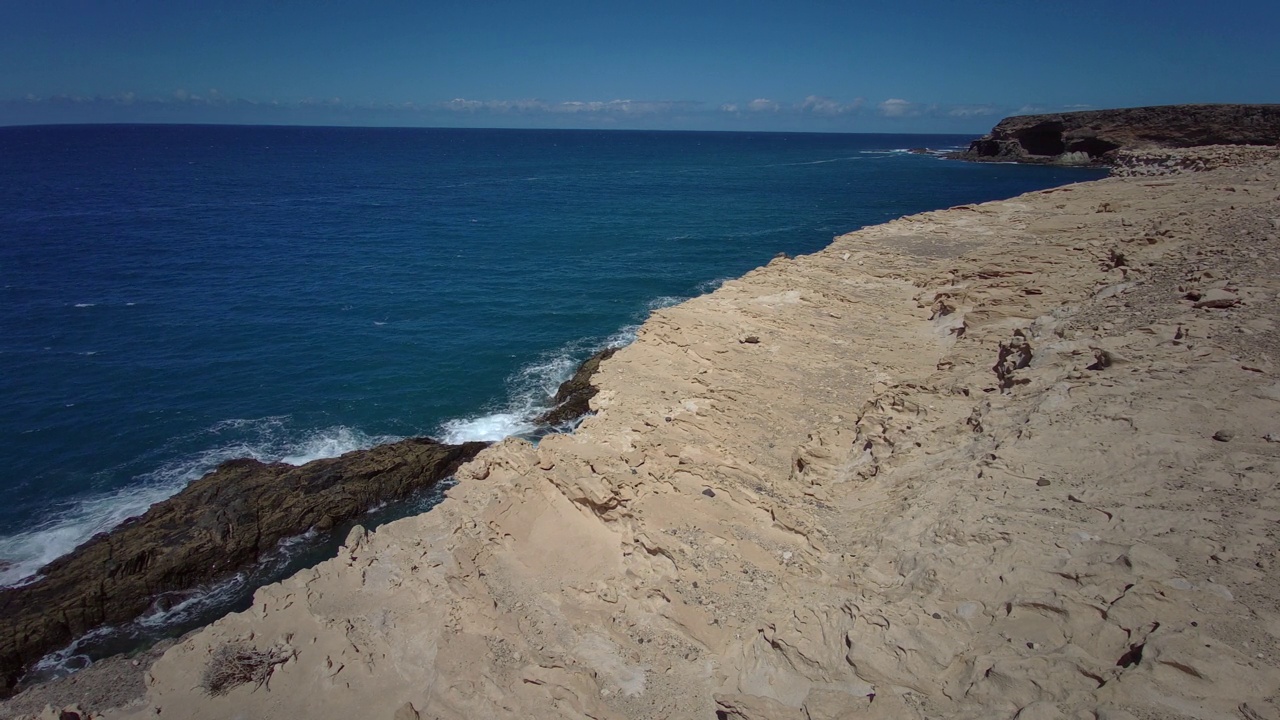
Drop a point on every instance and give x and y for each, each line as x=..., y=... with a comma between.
x=1095, y=136
x=220, y=523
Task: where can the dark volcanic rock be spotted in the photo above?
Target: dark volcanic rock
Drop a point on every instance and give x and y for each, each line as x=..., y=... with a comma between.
x=573, y=399
x=1096, y=135
x=220, y=523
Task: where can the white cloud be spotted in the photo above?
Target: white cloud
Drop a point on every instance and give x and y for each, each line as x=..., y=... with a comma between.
x=763, y=105
x=967, y=111
x=569, y=107
x=897, y=107
x=463, y=105
x=818, y=105
x=729, y=108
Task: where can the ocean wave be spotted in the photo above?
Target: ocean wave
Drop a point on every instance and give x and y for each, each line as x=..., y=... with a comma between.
x=530, y=390
x=76, y=520
x=813, y=162
x=532, y=387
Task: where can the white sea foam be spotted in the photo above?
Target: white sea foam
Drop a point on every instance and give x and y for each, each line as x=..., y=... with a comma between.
x=332, y=442
x=172, y=608
x=488, y=428
x=532, y=387
x=813, y=162
x=709, y=286
x=70, y=658
x=85, y=305
x=28, y=551
x=664, y=301
x=77, y=520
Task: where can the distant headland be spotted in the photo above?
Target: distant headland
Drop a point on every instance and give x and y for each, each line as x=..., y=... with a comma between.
x=1098, y=136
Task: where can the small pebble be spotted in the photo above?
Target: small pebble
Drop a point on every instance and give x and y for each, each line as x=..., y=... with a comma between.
x=937, y=616
x=1043, y=482
x=709, y=492
x=751, y=340
x=1223, y=436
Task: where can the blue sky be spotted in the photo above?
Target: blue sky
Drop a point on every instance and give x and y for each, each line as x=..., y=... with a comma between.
x=899, y=66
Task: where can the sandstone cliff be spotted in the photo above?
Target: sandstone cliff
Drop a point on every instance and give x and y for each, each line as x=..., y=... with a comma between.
x=1096, y=135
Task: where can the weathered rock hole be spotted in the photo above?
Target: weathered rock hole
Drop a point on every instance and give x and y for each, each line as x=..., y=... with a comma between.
x=1043, y=139
x=1093, y=146
x=1131, y=658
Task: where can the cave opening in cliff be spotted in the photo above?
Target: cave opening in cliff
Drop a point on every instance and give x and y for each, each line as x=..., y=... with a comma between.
x=1095, y=147
x=1042, y=139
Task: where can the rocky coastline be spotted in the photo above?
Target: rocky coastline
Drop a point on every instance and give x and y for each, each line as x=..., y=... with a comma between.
x=221, y=523
x=1098, y=137
x=1015, y=459
x=224, y=523
x=991, y=461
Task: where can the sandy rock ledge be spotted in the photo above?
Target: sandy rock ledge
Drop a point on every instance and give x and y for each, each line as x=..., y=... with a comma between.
x=967, y=469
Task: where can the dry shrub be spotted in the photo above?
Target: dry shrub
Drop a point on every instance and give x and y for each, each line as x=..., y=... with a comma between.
x=235, y=664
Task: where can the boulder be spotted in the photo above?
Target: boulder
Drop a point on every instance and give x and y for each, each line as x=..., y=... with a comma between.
x=217, y=525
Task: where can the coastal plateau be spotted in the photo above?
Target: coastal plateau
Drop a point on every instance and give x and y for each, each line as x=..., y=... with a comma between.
x=1098, y=136
x=1018, y=459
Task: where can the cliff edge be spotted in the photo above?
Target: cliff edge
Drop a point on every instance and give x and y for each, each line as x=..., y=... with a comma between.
x=1095, y=136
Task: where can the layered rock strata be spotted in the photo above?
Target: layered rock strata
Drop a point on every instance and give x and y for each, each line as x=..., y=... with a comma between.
x=1095, y=136
x=996, y=461
x=219, y=524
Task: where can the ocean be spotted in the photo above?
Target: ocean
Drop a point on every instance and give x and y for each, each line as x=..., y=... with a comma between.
x=177, y=296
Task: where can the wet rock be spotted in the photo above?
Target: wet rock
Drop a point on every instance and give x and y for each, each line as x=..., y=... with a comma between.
x=227, y=520
x=573, y=399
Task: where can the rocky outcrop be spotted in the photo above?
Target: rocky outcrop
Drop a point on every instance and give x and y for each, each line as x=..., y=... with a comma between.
x=1095, y=136
x=219, y=524
x=573, y=399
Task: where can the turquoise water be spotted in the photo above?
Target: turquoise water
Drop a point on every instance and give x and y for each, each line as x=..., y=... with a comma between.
x=175, y=296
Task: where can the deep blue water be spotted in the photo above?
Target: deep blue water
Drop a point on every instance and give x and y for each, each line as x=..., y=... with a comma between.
x=174, y=296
